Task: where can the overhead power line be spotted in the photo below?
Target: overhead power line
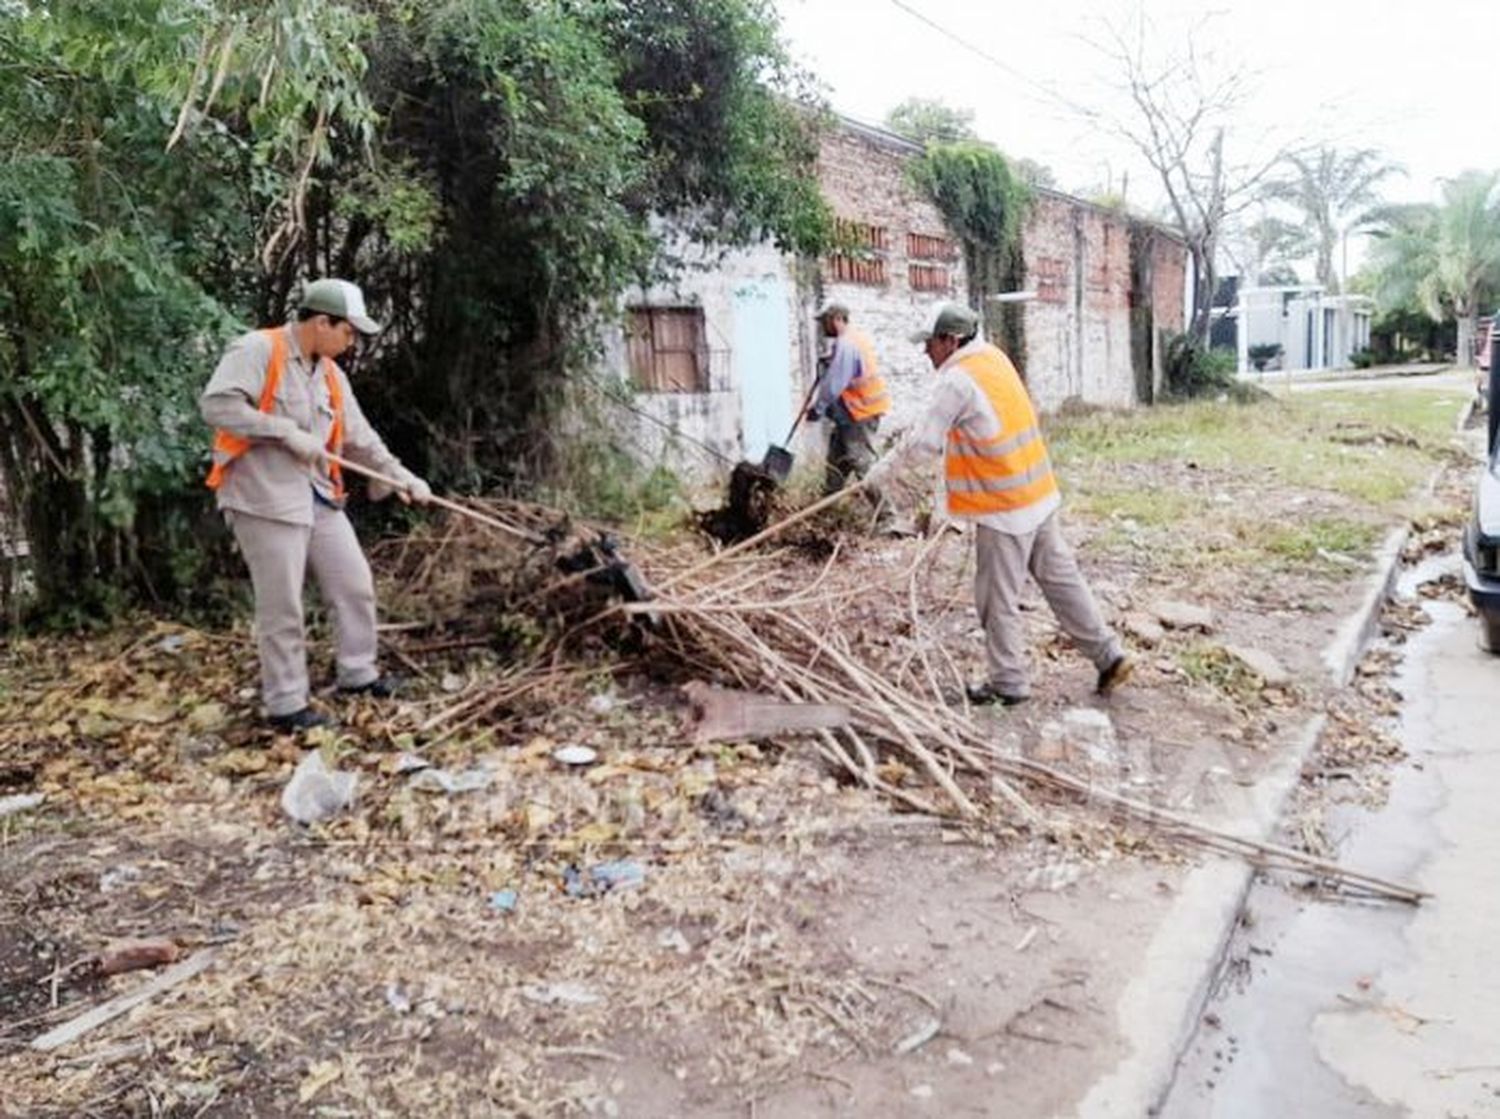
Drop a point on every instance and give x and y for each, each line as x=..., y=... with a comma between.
x=1031, y=85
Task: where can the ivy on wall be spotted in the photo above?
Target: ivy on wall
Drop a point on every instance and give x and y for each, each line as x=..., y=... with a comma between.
x=985, y=204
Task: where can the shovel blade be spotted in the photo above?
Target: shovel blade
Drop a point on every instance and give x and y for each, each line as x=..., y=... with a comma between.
x=778, y=463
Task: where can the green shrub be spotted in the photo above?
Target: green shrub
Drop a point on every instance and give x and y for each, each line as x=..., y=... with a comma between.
x=1195, y=371
x=1262, y=354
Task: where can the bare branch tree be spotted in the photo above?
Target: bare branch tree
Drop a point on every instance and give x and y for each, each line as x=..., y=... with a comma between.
x=1179, y=115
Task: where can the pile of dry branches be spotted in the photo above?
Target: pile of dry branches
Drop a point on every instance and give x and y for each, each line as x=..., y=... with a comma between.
x=739, y=618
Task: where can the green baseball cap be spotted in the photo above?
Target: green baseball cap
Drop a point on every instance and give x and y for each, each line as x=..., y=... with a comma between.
x=949, y=318
x=341, y=298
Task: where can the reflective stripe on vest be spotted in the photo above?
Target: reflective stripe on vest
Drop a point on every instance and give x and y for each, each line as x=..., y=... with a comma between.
x=866, y=396
x=228, y=446
x=1009, y=470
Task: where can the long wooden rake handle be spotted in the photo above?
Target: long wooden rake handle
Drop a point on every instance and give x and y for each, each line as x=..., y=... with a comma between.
x=442, y=502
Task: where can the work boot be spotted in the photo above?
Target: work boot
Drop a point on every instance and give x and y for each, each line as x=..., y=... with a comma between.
x=306, y=719
x=1115, y=673
x=984, y=694
x=382, y=687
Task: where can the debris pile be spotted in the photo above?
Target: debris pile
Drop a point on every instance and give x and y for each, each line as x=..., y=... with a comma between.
x=741, y=618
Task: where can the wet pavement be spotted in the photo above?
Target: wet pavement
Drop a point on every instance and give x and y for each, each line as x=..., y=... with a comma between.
x=1336, y=1008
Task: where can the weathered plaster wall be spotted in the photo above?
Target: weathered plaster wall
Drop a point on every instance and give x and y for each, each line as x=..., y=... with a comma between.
x=707, y=425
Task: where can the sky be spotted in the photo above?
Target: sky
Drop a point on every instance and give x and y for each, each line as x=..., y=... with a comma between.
x=1418, y=81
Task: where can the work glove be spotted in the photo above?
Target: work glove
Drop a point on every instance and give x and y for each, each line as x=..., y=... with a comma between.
x=306, y=447
x=412, y=489
x=416, y=490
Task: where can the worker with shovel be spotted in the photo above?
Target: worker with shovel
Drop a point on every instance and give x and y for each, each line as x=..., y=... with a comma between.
x=998, y=476
x=281, y=406
x=852, y=396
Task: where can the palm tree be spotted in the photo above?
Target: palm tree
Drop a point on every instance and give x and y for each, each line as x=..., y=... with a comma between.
x=1332, y=191
x=1443, y=258
x=1265, y=249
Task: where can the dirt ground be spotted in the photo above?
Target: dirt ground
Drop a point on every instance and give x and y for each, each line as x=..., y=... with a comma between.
x=796, y=946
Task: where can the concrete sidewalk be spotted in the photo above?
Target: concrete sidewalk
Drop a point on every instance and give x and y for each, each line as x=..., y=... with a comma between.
x=1275, y=378
x=1163, y=1006
x=1165, y=1001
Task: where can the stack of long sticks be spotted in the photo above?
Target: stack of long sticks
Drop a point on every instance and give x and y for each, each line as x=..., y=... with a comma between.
x=733, y=615
x=790, y=644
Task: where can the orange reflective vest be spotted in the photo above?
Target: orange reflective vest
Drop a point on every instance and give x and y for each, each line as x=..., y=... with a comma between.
x=1009, y=469
x=866, y=396
x=228, y=446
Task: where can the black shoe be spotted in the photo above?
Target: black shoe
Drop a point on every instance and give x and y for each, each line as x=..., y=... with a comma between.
x=306, y=719
x=382, y=687
x=1112, y=675
x=982, y=694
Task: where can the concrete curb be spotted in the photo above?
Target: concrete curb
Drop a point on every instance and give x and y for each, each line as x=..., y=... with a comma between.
x=1465, y=414
x=1162, y=1007
x=1343, y=653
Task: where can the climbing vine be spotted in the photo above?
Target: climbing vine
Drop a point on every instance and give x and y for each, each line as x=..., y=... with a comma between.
x=985, y=203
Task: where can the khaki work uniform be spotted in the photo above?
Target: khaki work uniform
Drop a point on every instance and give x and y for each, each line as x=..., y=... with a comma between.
x=286, y=518
x=1012, y=544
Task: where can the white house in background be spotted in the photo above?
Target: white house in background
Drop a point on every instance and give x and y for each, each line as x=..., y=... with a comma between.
x=1315, y=330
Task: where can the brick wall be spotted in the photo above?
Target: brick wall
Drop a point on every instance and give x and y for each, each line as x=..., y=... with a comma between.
x=1093, y=333
x=1169, y=284
x=864, y=177
x=1078, y=260
x=1078, y=331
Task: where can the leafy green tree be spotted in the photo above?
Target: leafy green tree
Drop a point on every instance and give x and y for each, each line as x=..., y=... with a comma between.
x=926, y=119
x=731, y=124
x=1331, y=191
x=930, y=121
x=1443, y=258
x=491, y=171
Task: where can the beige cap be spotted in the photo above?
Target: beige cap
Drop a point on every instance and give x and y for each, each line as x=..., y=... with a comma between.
x=949, y=318
x=339, y=298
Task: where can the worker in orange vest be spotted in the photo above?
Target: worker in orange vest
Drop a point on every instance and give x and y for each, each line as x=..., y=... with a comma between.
x=280, y=405
x=852, y=396
x=997, y=475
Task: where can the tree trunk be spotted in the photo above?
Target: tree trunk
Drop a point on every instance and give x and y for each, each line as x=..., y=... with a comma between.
x=1466, y=326
x=1205, y=279
x=1326, y=275
x=59, y=528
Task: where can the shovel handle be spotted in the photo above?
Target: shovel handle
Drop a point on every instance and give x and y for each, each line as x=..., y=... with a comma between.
x=806, y=400
x=440, y=502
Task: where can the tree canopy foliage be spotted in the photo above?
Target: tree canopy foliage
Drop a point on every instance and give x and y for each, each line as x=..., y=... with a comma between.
x=1331, y=192
x=1443, y=258
x=925, y=119
x=488, y=170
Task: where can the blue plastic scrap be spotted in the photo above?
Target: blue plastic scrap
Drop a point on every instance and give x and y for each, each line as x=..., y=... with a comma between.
x=622, y=874
x=601, y=878
x=504, y=901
